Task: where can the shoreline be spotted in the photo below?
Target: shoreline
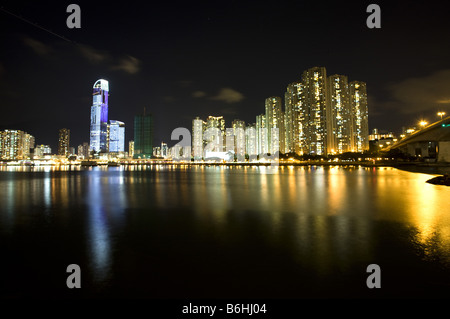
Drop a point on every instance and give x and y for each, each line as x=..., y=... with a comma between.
x=419, y=167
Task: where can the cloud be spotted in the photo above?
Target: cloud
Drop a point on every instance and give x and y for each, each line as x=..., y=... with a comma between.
x=228, y=95
x=198, y=94
x=128, y=64
x=93, y=55
x=37, y=46
x=420, y=94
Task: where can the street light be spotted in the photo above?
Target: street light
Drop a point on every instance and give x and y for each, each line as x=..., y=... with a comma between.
x=441, y=114
x=423, y=123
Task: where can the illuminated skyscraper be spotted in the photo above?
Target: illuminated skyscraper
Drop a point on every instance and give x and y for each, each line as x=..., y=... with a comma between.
x=292, y=124
x=216, y=121
x=250, y=141
x=143, y=136
x=261, y=135
x=275, y=125
x=197, y=138
x=314, y=111
x=27, y=144
x=63, y=142
x=131, y=149
x=339, y=121
x=214, y=134
x=2, y=144
x=12, y=145
x=360, y=116
x=238, y=128
x=116, y=136
x=99, y=117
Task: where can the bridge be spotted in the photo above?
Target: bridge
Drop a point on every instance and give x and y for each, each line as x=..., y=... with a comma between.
x=431, y=142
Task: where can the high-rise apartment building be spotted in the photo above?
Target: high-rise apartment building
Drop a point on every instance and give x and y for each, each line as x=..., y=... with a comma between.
x=131, y=149
x=360, y=121
x=275, y=125
x=143, y=136
x=251, y=141
x=238, y=129
x=314, y=112
x=64, y=142
x=27, y=144
x=99, y=117
x=216, y=122
x=339, y=121
x=15, y=145
x=12, y=145
x=197, y=138
x=214, y=134
x=262, y=146
x=292, y=126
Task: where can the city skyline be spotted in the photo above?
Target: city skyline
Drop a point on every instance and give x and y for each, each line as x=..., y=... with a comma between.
x=323, y=115
x=221, y=157
x=217, y=61
x=291, y=121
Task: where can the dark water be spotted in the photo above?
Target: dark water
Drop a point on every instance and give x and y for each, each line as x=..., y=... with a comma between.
x=218, y=232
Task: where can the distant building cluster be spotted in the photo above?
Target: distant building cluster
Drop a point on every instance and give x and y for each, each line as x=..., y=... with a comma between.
x=16, y=145
x=322, y=115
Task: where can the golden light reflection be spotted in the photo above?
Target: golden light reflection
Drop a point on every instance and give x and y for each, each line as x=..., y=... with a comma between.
x=274, y=207
x=413, y=201
x=210, y=194
x=291, y=189
x=336, y=190
x=429, y=214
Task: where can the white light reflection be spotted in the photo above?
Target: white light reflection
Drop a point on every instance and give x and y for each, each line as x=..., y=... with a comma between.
x=47, y=191
x=100, y=246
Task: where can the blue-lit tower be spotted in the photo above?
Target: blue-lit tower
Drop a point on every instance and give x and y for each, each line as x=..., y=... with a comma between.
x=99, y=117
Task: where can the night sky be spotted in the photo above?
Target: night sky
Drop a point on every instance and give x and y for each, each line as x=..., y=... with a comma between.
x=182, y=59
